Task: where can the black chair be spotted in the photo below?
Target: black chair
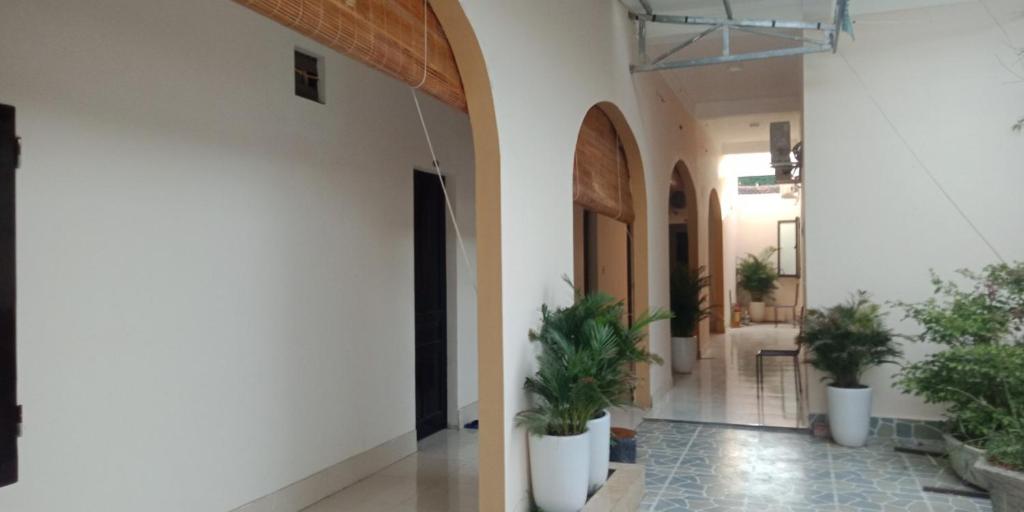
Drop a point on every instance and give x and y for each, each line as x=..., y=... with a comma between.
x=778, y=352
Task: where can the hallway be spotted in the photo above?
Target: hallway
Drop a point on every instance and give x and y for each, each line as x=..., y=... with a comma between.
x=723, y=386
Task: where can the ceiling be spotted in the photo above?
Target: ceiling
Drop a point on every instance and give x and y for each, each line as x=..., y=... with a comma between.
x=727, y=98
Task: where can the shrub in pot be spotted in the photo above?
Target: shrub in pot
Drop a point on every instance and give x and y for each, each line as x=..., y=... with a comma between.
x=962, y=378
x=1003, y=469
x=689, y=307
x=756, y=274
x=980, y=322
x=593, y=328
x=844, y=341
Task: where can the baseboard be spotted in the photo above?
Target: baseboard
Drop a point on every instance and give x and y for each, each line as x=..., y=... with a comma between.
x=309, y=490
x=890, y=429
x=468, y=413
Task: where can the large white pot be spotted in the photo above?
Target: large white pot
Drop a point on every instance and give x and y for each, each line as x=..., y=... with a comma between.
x=559, y=471
x=849, y=415
x=684, y=354
x=600, y=432
x=757, y=311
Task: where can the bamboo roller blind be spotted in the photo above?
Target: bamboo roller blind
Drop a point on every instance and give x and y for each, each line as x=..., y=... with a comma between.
x=600, y=174
x=384, y=34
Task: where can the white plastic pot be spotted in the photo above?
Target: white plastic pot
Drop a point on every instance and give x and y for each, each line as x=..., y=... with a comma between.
x=849, y=415
x=600, y=432
x=559, y=471
x=757, y=311
x=684, y=354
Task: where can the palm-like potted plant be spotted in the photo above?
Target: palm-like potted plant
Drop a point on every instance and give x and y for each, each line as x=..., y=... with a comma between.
x=689, y=307
x=587, y=343
x=980, y=323
x=757, y=275
x=844, y=341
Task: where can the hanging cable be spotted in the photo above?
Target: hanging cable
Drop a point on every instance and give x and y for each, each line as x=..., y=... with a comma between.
x=433, y=156
x=920, y=162
x=444, y=190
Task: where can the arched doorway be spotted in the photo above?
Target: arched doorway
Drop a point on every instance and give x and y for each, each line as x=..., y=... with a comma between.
x=716, y=264
x=490, y=361
x=610, y=217
x=683, y=219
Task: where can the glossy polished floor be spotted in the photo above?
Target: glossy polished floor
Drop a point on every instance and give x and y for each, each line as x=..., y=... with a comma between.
x=723, y=386
x=440, y=477
x=692, y=467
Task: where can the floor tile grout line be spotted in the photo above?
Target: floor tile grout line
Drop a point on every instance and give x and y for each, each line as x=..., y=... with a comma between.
x=832, y=477
x=676, y=468
x=917, y=480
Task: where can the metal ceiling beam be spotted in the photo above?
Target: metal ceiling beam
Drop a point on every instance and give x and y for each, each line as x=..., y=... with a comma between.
x=781, y=35
x=706, y=21
x=684, y=44
x=647, y=6
x=728, y=9
x=725, y=59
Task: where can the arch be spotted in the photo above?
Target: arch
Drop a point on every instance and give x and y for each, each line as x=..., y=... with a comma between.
x=490, y=362
x=638, y=293
x=716, y=264
x=682, y=181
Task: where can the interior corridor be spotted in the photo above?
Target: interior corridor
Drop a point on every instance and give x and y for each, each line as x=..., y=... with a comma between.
x=723, y=385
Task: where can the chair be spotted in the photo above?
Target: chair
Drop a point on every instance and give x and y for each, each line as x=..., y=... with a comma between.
x=793, y=353
x=791, y=307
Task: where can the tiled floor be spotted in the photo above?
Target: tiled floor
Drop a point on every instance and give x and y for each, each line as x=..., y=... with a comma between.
x=702, y=467
x=441, y=477
x=723, y=387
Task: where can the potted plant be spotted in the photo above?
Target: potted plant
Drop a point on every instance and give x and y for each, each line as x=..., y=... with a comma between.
x=844, y=341
x=565, y=398
x=1003, y=468
x=979, y=323
x=592, y=328
x=689, y=307
x=757, y=275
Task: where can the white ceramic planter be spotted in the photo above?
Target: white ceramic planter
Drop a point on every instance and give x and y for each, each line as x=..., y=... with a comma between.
x=849, y=415
x=684, y=354
x=757, y=311
x=559, y=471
x=600, y=432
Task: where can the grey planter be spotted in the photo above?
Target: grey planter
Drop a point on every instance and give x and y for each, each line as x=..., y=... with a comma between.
x=963, y=458
x=1006, y=486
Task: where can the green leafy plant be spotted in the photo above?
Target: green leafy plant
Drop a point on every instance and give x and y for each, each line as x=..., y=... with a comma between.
x=981, y=321
x=847, y=339
x=989, y=309
x=757, y=275
x=976, y=382
x=584, y=365
x=689, y=303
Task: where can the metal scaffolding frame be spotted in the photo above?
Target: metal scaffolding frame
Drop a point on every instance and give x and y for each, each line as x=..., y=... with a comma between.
x=826, y=41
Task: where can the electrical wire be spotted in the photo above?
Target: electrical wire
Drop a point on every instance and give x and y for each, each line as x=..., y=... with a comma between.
x=920, y=163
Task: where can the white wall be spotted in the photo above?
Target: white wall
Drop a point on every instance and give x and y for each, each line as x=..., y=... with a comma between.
x=874, y=220
x=548, y=63
x=215, y=276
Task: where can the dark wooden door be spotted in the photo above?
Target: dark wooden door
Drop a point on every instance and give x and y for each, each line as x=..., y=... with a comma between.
x=431, y=306
x=10, y=413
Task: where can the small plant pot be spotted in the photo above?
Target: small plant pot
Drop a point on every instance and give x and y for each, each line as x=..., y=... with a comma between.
x=559, y=471
x=849, y=415
x=684, y=354
x=757, y=311
x=623, y=448
x=599, y=431
x=1006, y=486
x=963, y=458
